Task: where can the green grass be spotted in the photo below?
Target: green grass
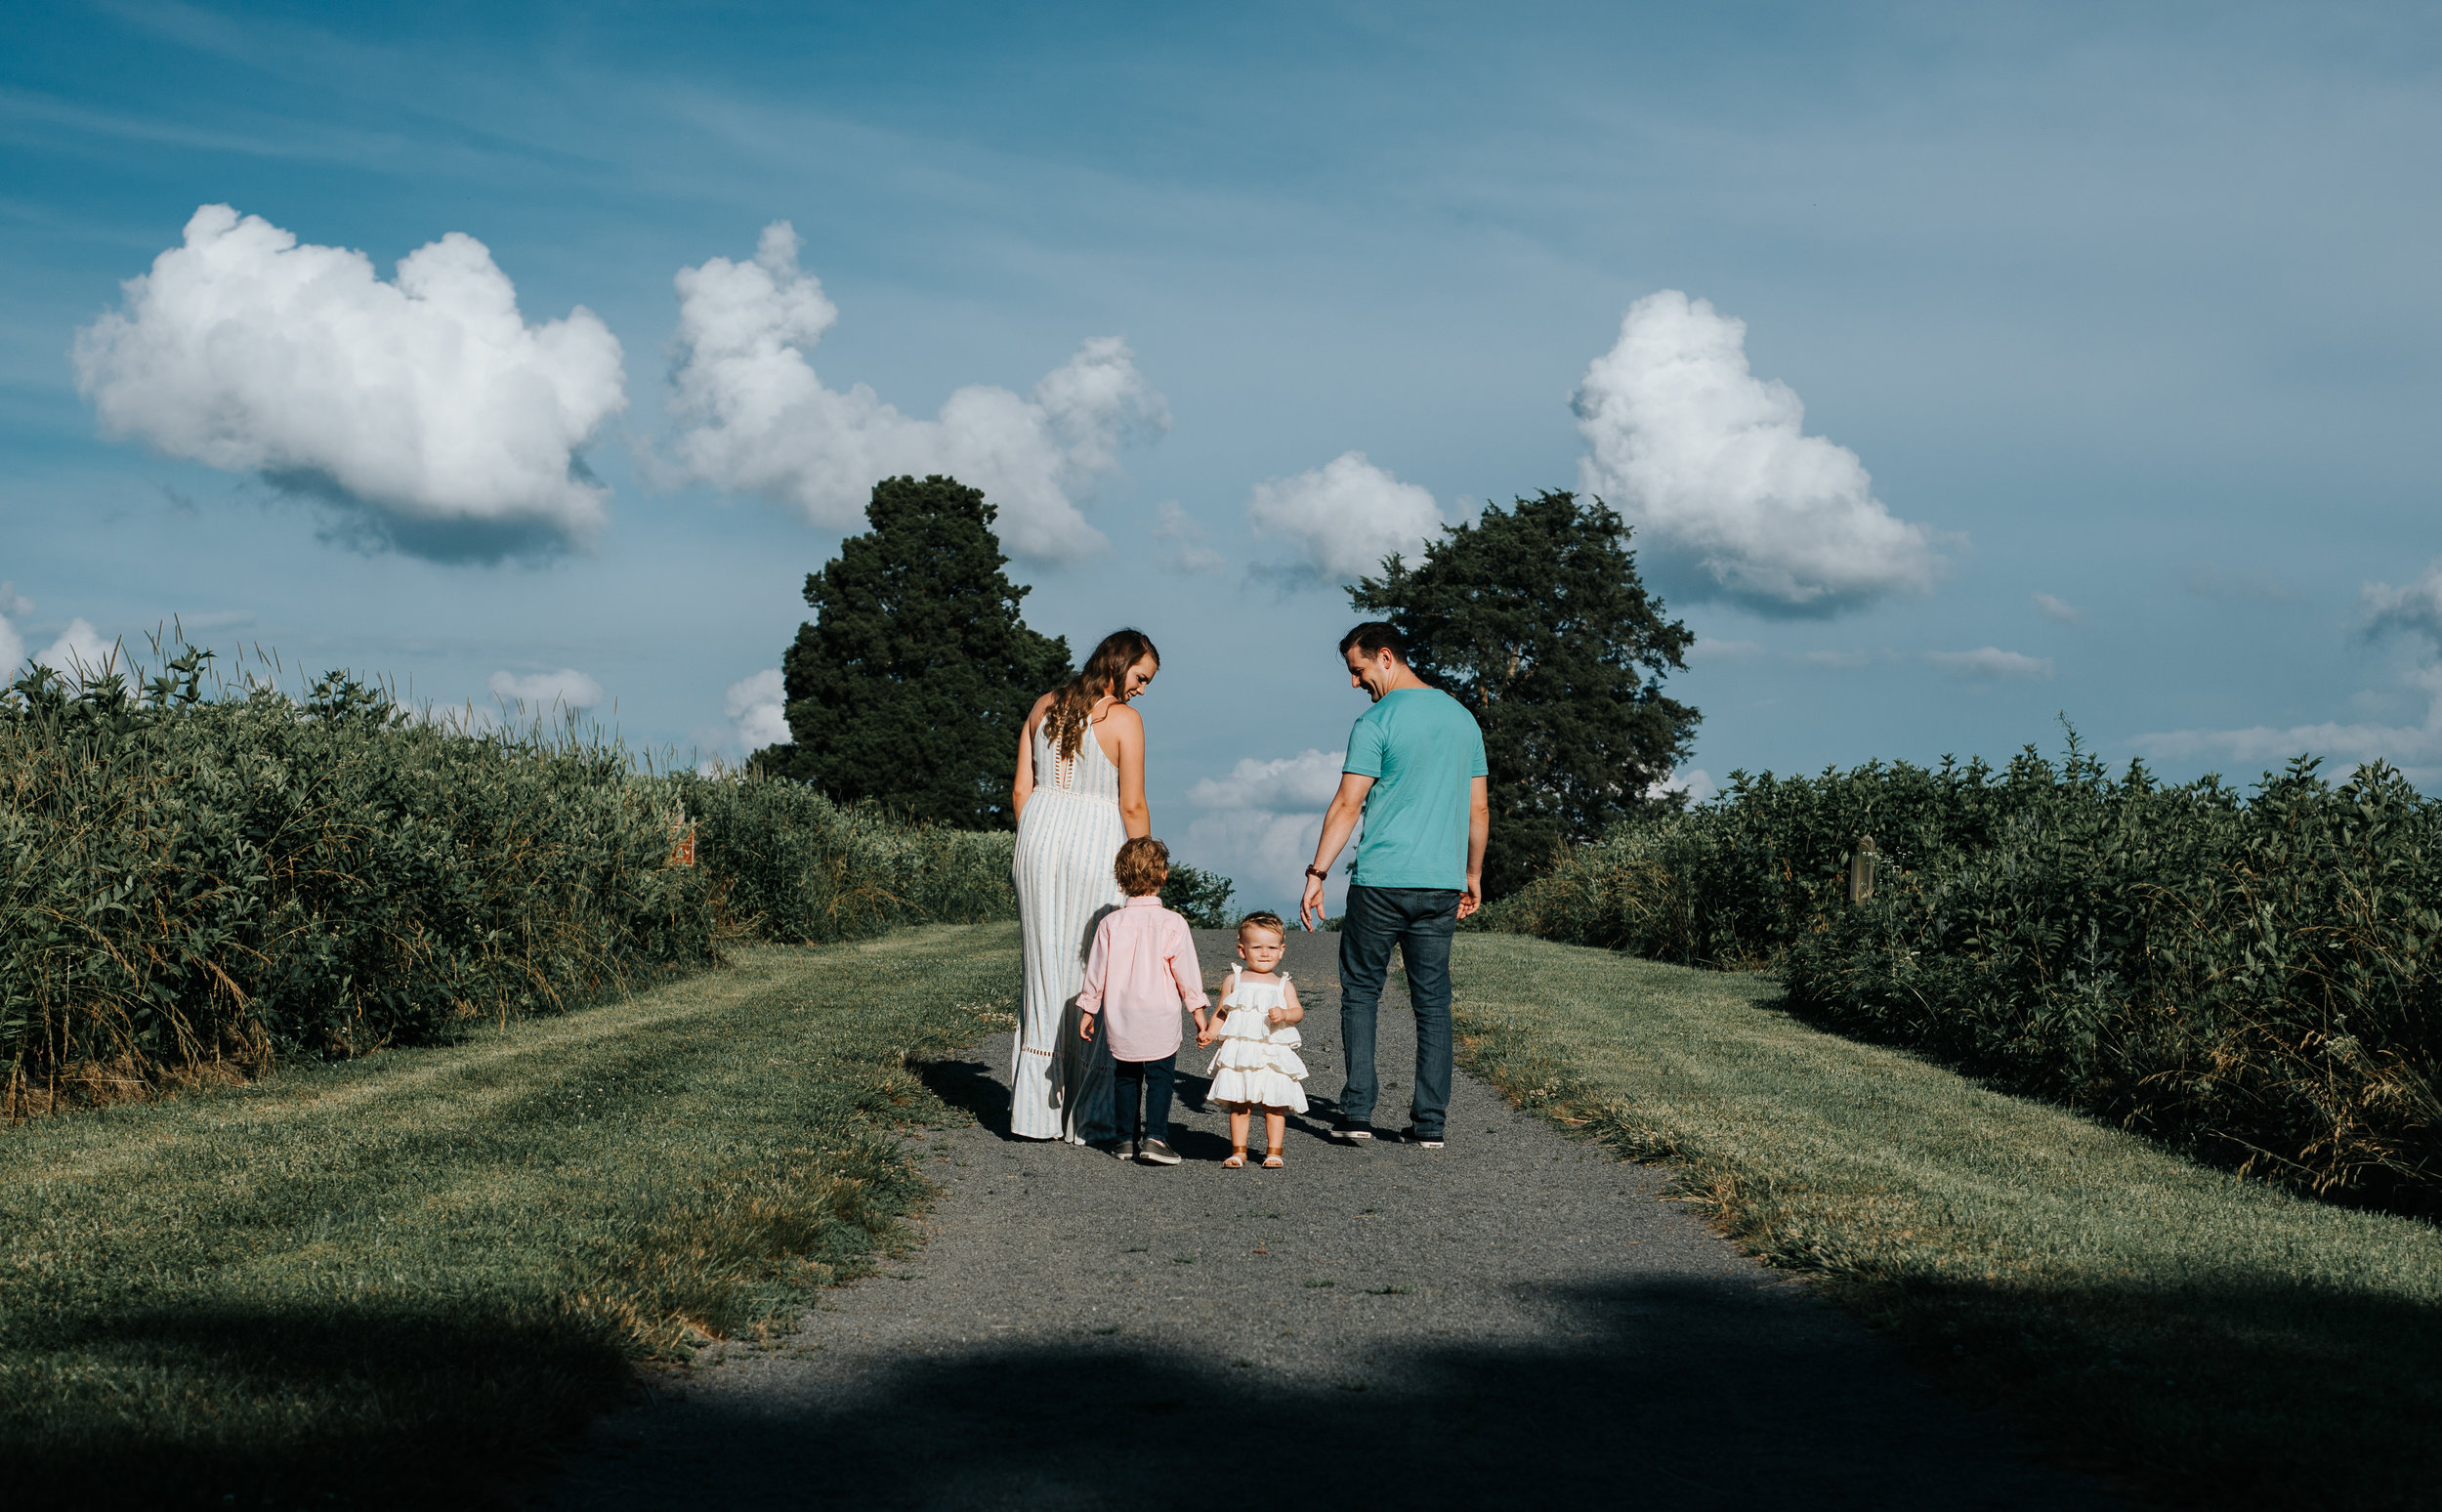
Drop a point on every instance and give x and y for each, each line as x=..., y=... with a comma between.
x=390, y=1279
x=2214, y=1341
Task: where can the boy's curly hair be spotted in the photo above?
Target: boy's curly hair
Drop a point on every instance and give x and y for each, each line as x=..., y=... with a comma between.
x=1263, y=918
x=1144, y=864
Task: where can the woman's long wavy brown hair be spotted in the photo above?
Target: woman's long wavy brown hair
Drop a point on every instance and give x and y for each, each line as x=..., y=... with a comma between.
x=1104, y=673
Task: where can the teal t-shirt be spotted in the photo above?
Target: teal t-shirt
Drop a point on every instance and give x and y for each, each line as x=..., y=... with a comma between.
x=1421, y=747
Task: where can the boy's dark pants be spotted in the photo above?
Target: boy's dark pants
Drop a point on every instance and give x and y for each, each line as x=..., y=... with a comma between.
x=1420, y=921
x=1146, y=1083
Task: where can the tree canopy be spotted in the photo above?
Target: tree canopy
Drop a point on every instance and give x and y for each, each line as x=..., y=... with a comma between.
x=910, y=685
x=1534, y=618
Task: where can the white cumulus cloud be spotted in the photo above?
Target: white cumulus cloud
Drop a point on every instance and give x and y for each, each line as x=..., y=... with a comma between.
x=1345, y=517
x=1989, y=662
x=2413, y=610
x=427, y=407
x=759, y=420
x=1258, y=826
x=1712, y=465
x=757, y=708
x=567, y=687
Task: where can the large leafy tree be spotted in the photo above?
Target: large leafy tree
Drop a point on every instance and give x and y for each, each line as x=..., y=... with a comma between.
x=910, y=685
x=1534, y=618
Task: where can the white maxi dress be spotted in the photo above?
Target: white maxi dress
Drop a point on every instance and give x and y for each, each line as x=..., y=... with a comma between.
x=1067, y=839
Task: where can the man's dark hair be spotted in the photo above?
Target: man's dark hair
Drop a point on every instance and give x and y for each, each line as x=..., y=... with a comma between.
x=1373, y=638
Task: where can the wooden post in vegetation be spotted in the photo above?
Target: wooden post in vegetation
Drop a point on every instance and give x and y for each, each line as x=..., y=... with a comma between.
x=1861, y=870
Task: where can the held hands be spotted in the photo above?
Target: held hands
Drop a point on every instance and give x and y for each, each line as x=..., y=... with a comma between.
x=1085, y=1026
x=1203, y=1031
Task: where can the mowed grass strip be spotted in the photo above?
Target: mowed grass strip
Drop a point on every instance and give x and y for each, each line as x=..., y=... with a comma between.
x=389, y=1280
x=2213, y=1341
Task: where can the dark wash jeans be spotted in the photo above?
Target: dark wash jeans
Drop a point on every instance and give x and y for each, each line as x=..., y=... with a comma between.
x=1420, y=921
x=1144, y=1082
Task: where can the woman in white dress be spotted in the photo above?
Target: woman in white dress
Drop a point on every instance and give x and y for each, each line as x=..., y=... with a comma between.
x=1080, y=796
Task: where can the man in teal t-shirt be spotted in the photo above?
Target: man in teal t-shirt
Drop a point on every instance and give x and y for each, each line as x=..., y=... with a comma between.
x=1415, y=772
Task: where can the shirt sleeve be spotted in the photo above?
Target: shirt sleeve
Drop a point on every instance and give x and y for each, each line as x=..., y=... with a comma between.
x=1186, y=971
x=1364, y=747
x=1476, y=765
x=1097, y=968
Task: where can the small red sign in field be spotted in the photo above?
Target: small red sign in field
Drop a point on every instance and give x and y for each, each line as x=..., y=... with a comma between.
x=682, y=844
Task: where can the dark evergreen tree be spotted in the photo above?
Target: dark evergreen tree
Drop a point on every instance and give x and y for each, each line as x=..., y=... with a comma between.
x=914, y=680
x=1534, y=618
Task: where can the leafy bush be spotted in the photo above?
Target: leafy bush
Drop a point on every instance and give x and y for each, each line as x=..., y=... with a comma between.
x=1204, y=897
x=2253, y=978
x=796, y=867
x=196, y=886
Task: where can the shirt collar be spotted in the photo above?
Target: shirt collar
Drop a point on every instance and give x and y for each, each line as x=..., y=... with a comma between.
x=1149, y=901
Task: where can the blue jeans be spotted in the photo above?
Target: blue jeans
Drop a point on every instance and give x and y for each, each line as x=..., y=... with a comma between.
x=1420, y=921
x=1144, y=1082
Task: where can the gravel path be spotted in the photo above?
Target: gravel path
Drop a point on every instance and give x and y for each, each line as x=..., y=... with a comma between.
x=1515, y=1318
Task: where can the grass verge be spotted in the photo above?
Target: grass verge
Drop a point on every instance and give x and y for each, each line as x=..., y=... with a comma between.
x=389, y=1280
x=2212, y=1341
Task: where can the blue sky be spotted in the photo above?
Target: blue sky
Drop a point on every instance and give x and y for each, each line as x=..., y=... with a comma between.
x=2130, y=308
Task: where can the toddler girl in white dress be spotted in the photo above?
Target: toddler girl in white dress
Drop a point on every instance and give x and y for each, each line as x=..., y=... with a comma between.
x=1257, y=1063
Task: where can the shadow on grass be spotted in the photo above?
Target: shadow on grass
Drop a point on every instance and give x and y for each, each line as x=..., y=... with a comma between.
x=1670, y=1395
x=411, y=1406
x=969, y=1087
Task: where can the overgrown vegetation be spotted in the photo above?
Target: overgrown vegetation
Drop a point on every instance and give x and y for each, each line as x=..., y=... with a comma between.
x=193, y=886
x=2218, y=1341
x=385, y=1280
x=2254, y=979
x=793, y=866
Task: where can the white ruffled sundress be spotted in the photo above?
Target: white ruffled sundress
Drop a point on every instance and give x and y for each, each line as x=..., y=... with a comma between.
x=1256, y=1063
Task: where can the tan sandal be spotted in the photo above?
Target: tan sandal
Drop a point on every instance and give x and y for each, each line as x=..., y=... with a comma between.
x=1273, y=1161
x=1236, y=1162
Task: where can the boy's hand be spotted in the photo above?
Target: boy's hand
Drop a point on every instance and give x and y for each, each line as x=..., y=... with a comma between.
x=1085, y=1026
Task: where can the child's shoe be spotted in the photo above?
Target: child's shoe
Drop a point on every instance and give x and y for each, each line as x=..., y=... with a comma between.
x=1156, y=1151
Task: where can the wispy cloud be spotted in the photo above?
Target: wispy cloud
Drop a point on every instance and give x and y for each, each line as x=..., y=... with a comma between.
x=2211, y=582
x=1708, y=649
x=1184, y=550
x=1990, y=663
x=542, y=692
x=2060, y=610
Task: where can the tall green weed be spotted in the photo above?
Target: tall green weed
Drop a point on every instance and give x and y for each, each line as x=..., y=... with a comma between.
x=193, y=885
x=2253, y=977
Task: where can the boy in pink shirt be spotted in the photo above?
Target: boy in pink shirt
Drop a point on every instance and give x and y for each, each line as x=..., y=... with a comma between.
x=1142, y=970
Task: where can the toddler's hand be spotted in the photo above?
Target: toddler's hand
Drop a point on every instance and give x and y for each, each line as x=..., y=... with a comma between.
x=1277, y=1017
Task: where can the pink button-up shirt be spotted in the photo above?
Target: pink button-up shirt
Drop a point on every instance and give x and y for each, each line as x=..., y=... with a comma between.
x=1142, y=970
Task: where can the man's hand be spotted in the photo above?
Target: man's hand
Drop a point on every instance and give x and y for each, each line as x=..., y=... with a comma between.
x=1310, y=908
x=1472, y=899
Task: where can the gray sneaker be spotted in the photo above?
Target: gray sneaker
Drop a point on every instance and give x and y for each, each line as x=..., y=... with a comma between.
x=1156, y=1151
